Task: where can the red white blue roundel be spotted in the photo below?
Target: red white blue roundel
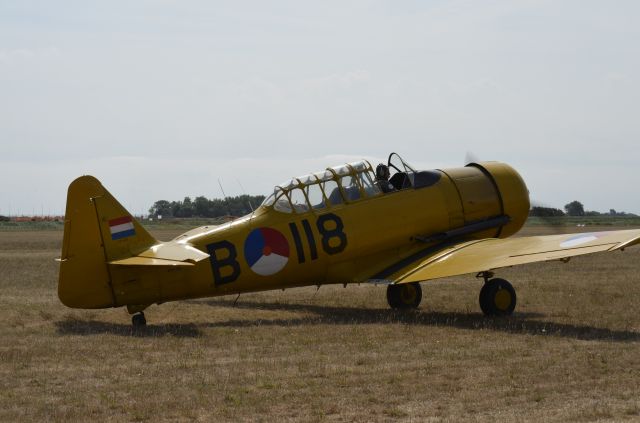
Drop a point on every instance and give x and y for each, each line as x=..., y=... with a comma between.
x=266, y=251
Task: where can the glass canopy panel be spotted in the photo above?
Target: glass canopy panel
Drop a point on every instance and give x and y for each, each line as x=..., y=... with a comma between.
x=315, y=196
x=370, y=189
x=287, y=185
x=299, y=201
x=282, y=204
x=332, y=192
x=324, y=176
x=359, y=166
x=350, y=188
x=269, y=200
x=307, y=179
x=341, y=170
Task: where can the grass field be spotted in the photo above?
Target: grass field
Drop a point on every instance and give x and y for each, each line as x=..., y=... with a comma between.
x=570, y=353
x=183, y=224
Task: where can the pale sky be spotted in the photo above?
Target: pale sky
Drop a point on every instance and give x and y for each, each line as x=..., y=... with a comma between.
x=160, y=99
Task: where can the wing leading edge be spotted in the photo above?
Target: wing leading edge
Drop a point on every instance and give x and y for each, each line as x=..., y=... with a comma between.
x=492, y=253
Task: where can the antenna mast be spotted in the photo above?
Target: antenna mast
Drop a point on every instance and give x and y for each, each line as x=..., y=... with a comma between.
x=245, y=193
x=225, y=198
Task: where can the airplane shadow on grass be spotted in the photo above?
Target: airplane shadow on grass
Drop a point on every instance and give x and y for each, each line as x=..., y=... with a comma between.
x=74, y=326
x=519, y=323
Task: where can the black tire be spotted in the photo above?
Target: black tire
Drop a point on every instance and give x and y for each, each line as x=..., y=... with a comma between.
x=497, y=298
x=138, y=320
x=404, y=296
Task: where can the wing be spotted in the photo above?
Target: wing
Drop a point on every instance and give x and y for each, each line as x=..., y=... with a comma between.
x=492, y=253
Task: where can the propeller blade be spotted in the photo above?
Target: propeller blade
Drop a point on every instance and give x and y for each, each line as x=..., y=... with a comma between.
x=470, y=157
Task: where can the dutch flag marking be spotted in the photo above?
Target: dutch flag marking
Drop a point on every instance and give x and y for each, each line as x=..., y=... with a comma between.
x=121, y=227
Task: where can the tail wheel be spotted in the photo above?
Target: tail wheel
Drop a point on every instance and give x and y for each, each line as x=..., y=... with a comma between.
x=403, y=296
x=138, y=320
x=497, y=298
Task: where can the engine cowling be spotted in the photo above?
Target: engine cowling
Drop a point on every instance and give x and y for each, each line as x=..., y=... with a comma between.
x=487, y=190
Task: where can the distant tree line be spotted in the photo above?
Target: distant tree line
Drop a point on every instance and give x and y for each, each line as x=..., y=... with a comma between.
x=243, y=204
x=545, y=212
x=204, y=207
x=574, y=208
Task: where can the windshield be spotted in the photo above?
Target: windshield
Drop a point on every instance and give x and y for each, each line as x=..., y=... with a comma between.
x=396, y=162
x=402, y=175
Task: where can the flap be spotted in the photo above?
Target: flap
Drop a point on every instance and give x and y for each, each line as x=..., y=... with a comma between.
x=491, y=253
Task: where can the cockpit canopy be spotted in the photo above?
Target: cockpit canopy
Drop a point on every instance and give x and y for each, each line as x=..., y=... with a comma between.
x=344, y=184
x=336, y=185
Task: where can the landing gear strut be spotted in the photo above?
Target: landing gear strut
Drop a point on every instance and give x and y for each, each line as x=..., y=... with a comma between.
x=404, y=296
x=497, y=296
x=138, y=320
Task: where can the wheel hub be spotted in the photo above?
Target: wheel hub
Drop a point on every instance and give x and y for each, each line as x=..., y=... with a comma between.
x=502, y=299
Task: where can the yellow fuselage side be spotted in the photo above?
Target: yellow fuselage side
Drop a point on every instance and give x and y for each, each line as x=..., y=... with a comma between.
x=345, y=243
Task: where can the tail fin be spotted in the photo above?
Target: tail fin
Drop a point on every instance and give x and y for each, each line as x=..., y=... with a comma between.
x=97, y=230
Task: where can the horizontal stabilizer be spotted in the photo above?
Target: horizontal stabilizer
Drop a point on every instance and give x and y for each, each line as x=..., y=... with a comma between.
x=167, y=254
x=145, y=261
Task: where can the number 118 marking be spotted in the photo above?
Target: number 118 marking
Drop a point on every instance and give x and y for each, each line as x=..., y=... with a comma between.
x=331, y=229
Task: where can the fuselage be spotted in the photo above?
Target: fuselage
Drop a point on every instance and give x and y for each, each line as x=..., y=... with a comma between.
x=347, y=241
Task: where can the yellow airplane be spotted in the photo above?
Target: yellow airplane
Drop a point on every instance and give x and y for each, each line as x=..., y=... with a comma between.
x=347, y=224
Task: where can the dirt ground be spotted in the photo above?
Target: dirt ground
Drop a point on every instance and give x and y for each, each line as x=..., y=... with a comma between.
x=571, y=352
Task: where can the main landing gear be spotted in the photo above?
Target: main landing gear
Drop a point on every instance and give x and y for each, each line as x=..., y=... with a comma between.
x=404, y=296
x=497, y=296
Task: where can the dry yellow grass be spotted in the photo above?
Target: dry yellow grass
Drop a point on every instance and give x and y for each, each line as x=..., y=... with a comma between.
x=571, y=352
